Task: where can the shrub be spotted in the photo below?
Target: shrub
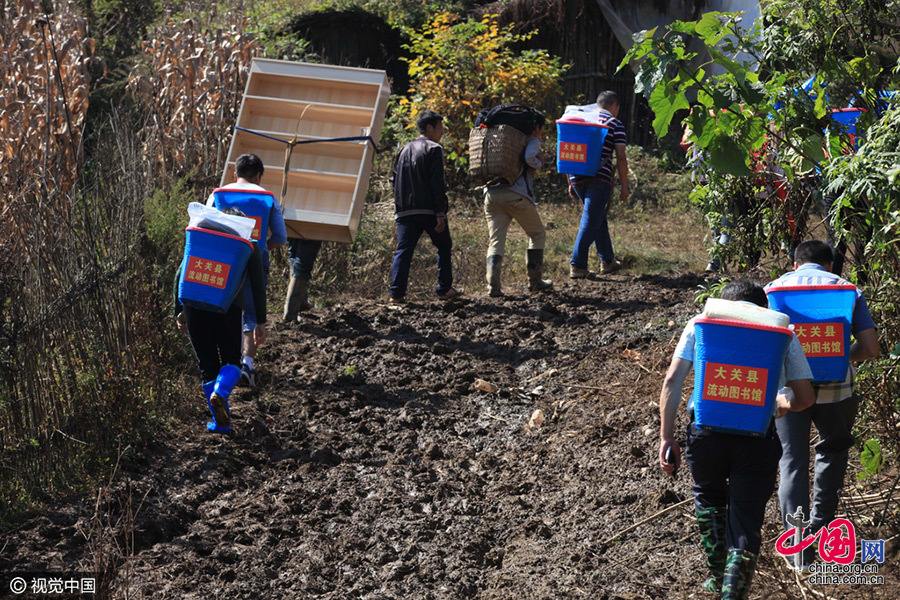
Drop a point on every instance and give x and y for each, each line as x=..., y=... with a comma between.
x=459, y=67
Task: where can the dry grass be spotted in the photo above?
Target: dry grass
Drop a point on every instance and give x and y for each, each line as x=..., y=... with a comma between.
x=650, y=240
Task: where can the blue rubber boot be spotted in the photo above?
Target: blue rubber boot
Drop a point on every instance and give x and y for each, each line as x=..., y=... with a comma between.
x=208, y=388
x=218, y=400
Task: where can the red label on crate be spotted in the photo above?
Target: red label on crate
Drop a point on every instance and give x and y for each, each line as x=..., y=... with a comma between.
x=573, y=152
x=821, y=340
x=257, y=224
x=733, y=383
x=207, y=272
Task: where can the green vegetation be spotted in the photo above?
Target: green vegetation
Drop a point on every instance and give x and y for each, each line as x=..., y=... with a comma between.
x=462, y=66
x=771, y=150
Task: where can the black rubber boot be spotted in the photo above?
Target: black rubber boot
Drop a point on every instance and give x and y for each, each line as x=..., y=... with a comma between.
x=296, y=300
x=739, y=569
x=711, y=521
x=535, y=265
x=493, y=267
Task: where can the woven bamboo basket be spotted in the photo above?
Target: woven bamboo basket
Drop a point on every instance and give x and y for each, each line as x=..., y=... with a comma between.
x=495, y=153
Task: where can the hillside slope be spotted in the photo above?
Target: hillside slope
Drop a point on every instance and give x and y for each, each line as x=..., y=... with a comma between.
x=367, y=465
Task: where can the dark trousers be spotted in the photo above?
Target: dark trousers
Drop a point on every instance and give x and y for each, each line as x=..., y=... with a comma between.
x=302, y=255
x=737, y=473
x=216, y=338
x=594, y=226
x=409, y=230
x=834, y=422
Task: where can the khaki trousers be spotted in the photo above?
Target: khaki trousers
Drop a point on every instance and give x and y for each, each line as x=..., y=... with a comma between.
x=501, y=206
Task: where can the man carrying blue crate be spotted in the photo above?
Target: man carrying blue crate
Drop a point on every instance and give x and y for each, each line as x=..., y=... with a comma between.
x=259, y=204
x=824, y=309
x=595, y=193
x=218, y=270
x=741, y=361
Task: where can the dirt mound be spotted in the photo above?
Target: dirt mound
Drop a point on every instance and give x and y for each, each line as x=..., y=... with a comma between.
x=368, y=466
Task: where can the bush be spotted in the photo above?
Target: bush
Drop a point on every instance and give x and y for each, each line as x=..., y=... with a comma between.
x=165, y=216
x=460, y=67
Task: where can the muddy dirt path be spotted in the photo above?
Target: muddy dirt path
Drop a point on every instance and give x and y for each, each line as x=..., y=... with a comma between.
x=367, y=466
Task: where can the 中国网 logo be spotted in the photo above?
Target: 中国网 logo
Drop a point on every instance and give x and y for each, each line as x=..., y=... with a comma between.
x=836, y=545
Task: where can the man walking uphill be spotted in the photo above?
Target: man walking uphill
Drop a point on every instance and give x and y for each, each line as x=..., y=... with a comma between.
x=504, y=202
x=259, y=204
x=595, y=193
x=825, y=296
x=732, y=447
x=420, y=199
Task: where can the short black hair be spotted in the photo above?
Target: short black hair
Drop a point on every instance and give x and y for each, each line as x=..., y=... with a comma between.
x=745, y=290
x=248, y=166
x=426, y=118
x=814, y=251
x=607, y=99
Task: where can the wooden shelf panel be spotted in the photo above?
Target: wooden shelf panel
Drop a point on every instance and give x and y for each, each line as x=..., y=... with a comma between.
x=313, y=90
x=335, y=157
x=317, y=174
x=269, y=116
x=327, y=183
x=317, y=111
x=307, y=191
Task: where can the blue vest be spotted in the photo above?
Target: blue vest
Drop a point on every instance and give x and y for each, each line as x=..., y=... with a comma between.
x=212, y=268
x=255, y=204
x=822, y=316
x=737, y=367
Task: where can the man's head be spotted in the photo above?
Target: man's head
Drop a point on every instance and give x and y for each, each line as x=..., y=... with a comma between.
x=609, y=101
x=249, y=167
x=746, y=291
x=431, y=125
x=814, y=251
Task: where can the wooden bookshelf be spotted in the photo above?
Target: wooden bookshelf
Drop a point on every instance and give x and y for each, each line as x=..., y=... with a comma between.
x=327, y=181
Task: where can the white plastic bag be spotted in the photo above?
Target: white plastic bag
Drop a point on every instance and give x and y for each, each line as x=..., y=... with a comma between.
x=201, y=215
x=589, y=113
x=717, y=308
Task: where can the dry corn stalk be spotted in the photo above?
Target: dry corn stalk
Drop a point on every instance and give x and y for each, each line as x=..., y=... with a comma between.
x=191, y=82
x=44, y=99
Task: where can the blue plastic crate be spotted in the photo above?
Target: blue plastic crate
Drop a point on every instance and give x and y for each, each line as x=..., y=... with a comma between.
x=212, y=268
x=736, y=373
x=579, y=146
x=822, y=316
x=846, y=118
x=255, y=204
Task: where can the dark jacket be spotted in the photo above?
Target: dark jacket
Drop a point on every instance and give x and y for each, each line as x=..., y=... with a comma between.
x=253, y=276
x=419, y=187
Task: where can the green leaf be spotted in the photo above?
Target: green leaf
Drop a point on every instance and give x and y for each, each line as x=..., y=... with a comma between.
x=871, y=458
x=642, y=46
x=735, y=68
x=702, y=125
x=686, y=27
x=820, y=107
x=665, y=104
x=813, y=150
x=863, y=69
x=727, y=156
x=710, y=28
